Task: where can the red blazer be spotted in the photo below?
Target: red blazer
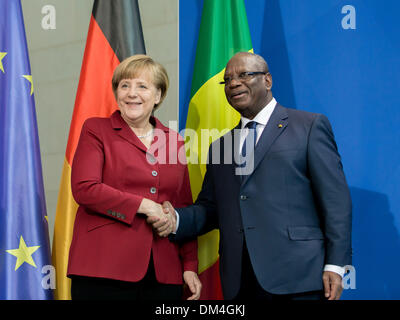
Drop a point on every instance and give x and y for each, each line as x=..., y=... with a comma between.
x=110, y=176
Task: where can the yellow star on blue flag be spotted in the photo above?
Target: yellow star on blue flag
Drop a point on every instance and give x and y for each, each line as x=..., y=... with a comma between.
x=29, y=78
x=23, y=254
x=2, y=55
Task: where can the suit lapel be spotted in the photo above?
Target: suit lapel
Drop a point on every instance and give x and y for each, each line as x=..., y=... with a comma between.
x=236, y=151
x=275, y=126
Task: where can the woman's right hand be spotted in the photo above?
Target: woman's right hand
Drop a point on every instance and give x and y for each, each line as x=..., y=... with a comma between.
x=157, y=217
x=151, y=208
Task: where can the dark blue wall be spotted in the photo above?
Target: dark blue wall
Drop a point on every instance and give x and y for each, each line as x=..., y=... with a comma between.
x=353, y=77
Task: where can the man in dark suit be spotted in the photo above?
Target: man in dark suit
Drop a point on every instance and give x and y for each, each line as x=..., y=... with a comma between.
x=285, y=224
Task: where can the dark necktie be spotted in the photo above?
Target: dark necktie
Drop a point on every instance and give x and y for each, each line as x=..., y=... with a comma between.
x=251, y=137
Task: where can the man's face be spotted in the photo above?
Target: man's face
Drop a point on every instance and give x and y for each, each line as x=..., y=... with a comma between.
x=248, y=96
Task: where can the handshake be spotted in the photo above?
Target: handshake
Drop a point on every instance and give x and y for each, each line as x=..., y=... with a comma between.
x=161, y=217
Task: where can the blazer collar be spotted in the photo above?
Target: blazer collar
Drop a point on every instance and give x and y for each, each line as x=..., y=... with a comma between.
x=123, y=129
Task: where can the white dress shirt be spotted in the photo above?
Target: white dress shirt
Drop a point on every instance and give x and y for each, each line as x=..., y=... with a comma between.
x=261, y=118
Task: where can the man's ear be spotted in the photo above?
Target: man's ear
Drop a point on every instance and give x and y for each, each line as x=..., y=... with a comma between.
x=268, y=80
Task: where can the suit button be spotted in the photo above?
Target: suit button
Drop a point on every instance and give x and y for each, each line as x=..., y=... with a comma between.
x=243, y=197
x=154, y=173
x=153, y=190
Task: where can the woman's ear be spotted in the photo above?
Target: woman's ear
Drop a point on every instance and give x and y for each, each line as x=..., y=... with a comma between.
x=158, y=96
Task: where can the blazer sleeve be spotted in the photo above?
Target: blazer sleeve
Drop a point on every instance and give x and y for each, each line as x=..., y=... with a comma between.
x=87, y=184
x=331, y=191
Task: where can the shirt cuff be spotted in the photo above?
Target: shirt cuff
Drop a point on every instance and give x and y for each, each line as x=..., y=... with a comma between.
x=177, y=222
x=333, y=268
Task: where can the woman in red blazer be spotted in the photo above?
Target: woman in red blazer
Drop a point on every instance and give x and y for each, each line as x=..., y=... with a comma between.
x=124, y=167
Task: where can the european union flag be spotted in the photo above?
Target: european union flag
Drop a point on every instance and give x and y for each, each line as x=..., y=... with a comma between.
x=25, y=271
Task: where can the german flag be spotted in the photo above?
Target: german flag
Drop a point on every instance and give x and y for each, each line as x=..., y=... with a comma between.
x=224, y=31
x=115, y=33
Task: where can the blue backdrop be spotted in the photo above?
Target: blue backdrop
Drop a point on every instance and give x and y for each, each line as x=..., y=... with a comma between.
x=343, y=62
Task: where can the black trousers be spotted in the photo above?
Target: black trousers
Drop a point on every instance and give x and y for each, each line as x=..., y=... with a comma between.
x=147, y=289
x=250, y=289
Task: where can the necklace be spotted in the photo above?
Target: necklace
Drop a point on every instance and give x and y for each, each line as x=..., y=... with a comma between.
x=145, y=135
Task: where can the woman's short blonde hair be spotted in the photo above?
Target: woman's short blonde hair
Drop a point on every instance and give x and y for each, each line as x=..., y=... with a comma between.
x=133, y=66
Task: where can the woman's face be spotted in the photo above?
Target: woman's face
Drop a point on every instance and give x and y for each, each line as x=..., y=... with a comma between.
x=136, y=98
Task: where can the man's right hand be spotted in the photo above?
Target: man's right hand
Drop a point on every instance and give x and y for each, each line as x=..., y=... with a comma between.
x=164, y=227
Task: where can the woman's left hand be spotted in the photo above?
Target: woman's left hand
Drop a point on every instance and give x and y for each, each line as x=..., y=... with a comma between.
x=194, y=284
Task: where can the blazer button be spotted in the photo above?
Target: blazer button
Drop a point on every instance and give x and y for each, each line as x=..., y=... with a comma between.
x=153, y=190
x=154, y=173
x=243, y=197
x=151, y=159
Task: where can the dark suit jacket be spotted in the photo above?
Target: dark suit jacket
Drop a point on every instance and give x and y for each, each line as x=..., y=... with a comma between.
x=110, y=177
x=293, y=210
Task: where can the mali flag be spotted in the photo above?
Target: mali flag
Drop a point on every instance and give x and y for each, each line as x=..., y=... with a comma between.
x=25, y=270
x=115, y=33
x=224, y=31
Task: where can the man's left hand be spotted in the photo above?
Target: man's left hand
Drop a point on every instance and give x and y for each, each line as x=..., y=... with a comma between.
x=332, y=285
